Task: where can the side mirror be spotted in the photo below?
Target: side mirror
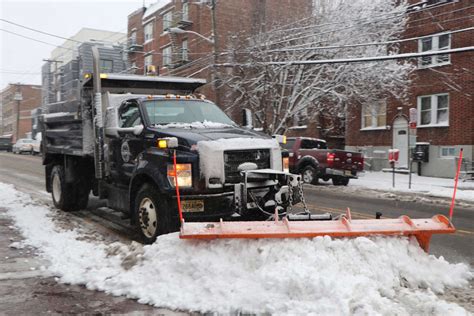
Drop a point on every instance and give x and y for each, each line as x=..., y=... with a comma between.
x=136, y=130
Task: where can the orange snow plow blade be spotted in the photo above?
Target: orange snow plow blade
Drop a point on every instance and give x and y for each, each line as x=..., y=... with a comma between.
x=421, y=229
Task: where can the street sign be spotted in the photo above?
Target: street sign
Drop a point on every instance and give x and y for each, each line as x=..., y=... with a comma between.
x=413, y=116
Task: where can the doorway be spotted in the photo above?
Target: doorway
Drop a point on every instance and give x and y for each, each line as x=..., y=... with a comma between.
x=400, y=141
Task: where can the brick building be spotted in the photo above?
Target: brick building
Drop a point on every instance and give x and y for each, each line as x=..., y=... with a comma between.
x=154, y=49
x=23, y=97
x=441, y=92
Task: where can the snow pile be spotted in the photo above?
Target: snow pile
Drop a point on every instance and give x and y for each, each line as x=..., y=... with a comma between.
x=322, y=276
x=430, y=186
x=158, y=5
x=197, y=125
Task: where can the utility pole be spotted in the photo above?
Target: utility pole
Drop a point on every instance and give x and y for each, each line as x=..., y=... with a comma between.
x=215, y=51
x=56, y=78
x=18, y=98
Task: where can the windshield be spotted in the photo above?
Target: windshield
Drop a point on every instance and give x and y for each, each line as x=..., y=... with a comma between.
x=289, y=144
x=170, y=112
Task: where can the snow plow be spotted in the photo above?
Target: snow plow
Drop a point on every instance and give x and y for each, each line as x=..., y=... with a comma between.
x=307, y=225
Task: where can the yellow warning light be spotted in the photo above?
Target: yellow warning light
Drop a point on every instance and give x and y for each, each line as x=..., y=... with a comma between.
x=103, y=76
x=87, y=76
x=284, y=139
x=149, y=97
x=162, y=143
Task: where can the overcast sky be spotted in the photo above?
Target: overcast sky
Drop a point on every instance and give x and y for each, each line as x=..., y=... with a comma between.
x=21, y=59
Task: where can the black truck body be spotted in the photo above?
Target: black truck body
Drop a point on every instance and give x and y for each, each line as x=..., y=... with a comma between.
x=119, y=140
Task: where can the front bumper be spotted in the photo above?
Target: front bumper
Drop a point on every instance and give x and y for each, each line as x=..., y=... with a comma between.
x=245, y=197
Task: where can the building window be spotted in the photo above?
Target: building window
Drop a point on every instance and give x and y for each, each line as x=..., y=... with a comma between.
x=148, y=32
x=433, y=44
x=167, y=20
x=106, y=65
x=447, y=152
x=433, y=110
x=148, y=62
x=374, y=116
x=185, y=16
x=133, y=38
x=184, y=50
x=166, y=56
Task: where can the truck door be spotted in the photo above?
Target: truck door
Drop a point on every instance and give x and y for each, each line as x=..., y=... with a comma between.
x=125, y=149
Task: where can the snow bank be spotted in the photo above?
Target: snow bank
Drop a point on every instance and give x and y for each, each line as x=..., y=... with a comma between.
x=429, y=186
x=321, y=276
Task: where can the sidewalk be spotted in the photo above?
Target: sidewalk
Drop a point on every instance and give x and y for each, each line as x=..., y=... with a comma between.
x=427, y=186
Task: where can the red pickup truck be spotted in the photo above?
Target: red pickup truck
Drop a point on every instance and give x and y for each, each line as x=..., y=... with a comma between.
x=313, y=160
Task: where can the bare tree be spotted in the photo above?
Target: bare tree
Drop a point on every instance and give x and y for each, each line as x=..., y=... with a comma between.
x=279, y=93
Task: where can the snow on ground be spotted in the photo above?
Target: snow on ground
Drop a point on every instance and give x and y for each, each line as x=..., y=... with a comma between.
x=363, y=276
x=429, y=186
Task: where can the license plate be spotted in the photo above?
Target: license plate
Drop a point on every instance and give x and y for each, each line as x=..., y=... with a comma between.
x=348, y=173
x=192, y=206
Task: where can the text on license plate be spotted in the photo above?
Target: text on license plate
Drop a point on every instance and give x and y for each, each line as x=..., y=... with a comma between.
x=347, y=172
x=192, y=206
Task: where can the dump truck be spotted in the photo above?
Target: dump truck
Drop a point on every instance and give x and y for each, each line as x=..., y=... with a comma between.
x=171, y=160
x=119, y=139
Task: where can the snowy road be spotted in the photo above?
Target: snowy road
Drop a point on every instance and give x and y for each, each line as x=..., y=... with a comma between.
x=26, y=173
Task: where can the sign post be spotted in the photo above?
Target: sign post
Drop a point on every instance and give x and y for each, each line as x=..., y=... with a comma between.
x=393, y=155
x=412, y=140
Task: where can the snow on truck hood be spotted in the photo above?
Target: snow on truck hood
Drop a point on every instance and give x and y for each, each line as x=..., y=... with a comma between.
x=320, y=276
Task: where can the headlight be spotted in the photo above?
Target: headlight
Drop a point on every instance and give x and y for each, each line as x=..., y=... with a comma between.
x=184, y=173
x=286, y=164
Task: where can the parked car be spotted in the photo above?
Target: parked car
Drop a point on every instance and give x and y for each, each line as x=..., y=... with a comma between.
x=6, y=143
x=313, y=160
x=36, y=146
x=23, y=145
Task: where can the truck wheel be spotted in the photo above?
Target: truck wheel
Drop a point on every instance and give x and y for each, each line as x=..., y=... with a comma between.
x=67, y=196
x=309, y=175
x=340, y=181
x=150, y=214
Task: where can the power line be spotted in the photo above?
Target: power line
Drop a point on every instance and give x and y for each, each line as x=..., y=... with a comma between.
x=33, y=39
x=38, y=31
x=296, y=48
x=356, y=60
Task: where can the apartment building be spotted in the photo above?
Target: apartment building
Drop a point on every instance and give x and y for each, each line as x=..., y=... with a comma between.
x=441, y=92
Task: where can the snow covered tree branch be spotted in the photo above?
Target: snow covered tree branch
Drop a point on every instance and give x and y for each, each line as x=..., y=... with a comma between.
x=279, y=93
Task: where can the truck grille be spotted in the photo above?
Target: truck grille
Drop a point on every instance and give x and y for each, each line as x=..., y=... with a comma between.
x=233, y=159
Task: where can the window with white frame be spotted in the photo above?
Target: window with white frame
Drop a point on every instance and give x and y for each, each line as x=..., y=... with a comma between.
x=433, y=44
x=167, y=20
x=148, y=31
x=433, y=110
x=166, y=53
x=447, y=152
x=184, y=50
x=133, y=38
x=148, y=62
x=185, y=13
x=374, y=115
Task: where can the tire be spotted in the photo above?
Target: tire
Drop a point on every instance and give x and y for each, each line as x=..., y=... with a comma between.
x=340, y=181
x=309, y=175
x=151, y=216
x=68, y=197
